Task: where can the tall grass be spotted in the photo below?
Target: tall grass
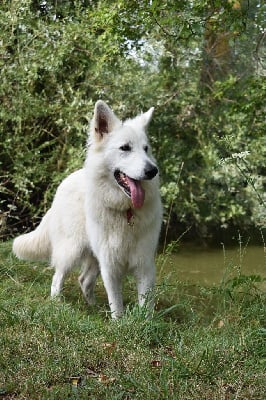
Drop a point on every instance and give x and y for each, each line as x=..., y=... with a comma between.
x=202, y=343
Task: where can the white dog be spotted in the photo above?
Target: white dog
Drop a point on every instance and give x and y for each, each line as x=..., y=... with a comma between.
x=105, y=217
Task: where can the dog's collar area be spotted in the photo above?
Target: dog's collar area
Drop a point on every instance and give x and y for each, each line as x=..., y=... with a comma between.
x=130, y=217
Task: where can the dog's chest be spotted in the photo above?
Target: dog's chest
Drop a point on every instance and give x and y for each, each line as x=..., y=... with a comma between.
x=115, y=233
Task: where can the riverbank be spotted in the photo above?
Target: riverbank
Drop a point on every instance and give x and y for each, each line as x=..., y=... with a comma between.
x=204, y=342
x=212, y=265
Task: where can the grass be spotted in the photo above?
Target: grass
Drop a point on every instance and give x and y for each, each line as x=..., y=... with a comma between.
x=203, y=343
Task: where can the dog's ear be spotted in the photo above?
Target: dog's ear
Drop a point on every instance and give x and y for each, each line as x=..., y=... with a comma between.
x=104, y=120
x=146, y=117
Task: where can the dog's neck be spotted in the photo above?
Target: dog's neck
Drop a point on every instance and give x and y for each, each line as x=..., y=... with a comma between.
x=130, y=217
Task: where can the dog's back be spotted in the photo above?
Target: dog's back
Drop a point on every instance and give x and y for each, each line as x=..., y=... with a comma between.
x=63, y=222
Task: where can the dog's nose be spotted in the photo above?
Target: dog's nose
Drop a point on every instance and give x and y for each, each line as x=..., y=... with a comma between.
x=150, y=171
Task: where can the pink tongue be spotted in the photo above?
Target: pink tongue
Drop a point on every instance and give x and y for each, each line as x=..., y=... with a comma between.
x=137, y=193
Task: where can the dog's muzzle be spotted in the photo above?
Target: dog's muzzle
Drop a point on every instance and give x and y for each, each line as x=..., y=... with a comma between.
x=132, y=187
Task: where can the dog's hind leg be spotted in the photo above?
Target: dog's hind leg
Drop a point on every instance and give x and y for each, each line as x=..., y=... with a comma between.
x=88, y=277
x=57, y=283
x=65, y=257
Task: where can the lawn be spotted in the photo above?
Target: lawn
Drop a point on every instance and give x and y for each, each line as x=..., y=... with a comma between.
x=202, y=342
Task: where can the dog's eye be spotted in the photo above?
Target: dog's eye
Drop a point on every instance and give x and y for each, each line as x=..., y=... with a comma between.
x=125, y=147
x=146, y=148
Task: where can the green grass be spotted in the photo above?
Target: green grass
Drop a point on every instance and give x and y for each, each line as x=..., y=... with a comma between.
x=203, y=343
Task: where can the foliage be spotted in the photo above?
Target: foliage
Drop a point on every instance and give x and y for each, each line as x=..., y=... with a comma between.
x=199, y=63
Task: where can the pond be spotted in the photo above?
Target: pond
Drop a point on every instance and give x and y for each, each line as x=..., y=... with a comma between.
x=210, y=265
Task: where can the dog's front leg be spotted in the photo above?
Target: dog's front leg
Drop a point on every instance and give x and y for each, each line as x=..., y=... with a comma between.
x=145, y=277
x=113, y=285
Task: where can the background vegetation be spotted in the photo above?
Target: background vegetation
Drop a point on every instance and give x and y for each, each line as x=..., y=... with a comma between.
x=200, y=63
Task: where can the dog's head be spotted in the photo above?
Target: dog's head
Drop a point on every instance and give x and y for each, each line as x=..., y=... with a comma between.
x=124, y=150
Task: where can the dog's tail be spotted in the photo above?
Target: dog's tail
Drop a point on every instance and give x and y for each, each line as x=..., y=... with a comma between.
x=35, y=245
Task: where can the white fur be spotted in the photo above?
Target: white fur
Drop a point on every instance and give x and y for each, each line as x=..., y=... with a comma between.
x=87, y=223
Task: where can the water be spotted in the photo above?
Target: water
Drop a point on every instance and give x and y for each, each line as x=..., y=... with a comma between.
x=209, y=266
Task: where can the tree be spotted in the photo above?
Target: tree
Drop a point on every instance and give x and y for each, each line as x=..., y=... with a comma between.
x=59, y=57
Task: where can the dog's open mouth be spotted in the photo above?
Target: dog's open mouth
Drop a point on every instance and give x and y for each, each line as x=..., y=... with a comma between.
x=131, y=187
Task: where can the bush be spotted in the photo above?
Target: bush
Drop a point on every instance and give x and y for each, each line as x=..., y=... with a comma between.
x=58, y=58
